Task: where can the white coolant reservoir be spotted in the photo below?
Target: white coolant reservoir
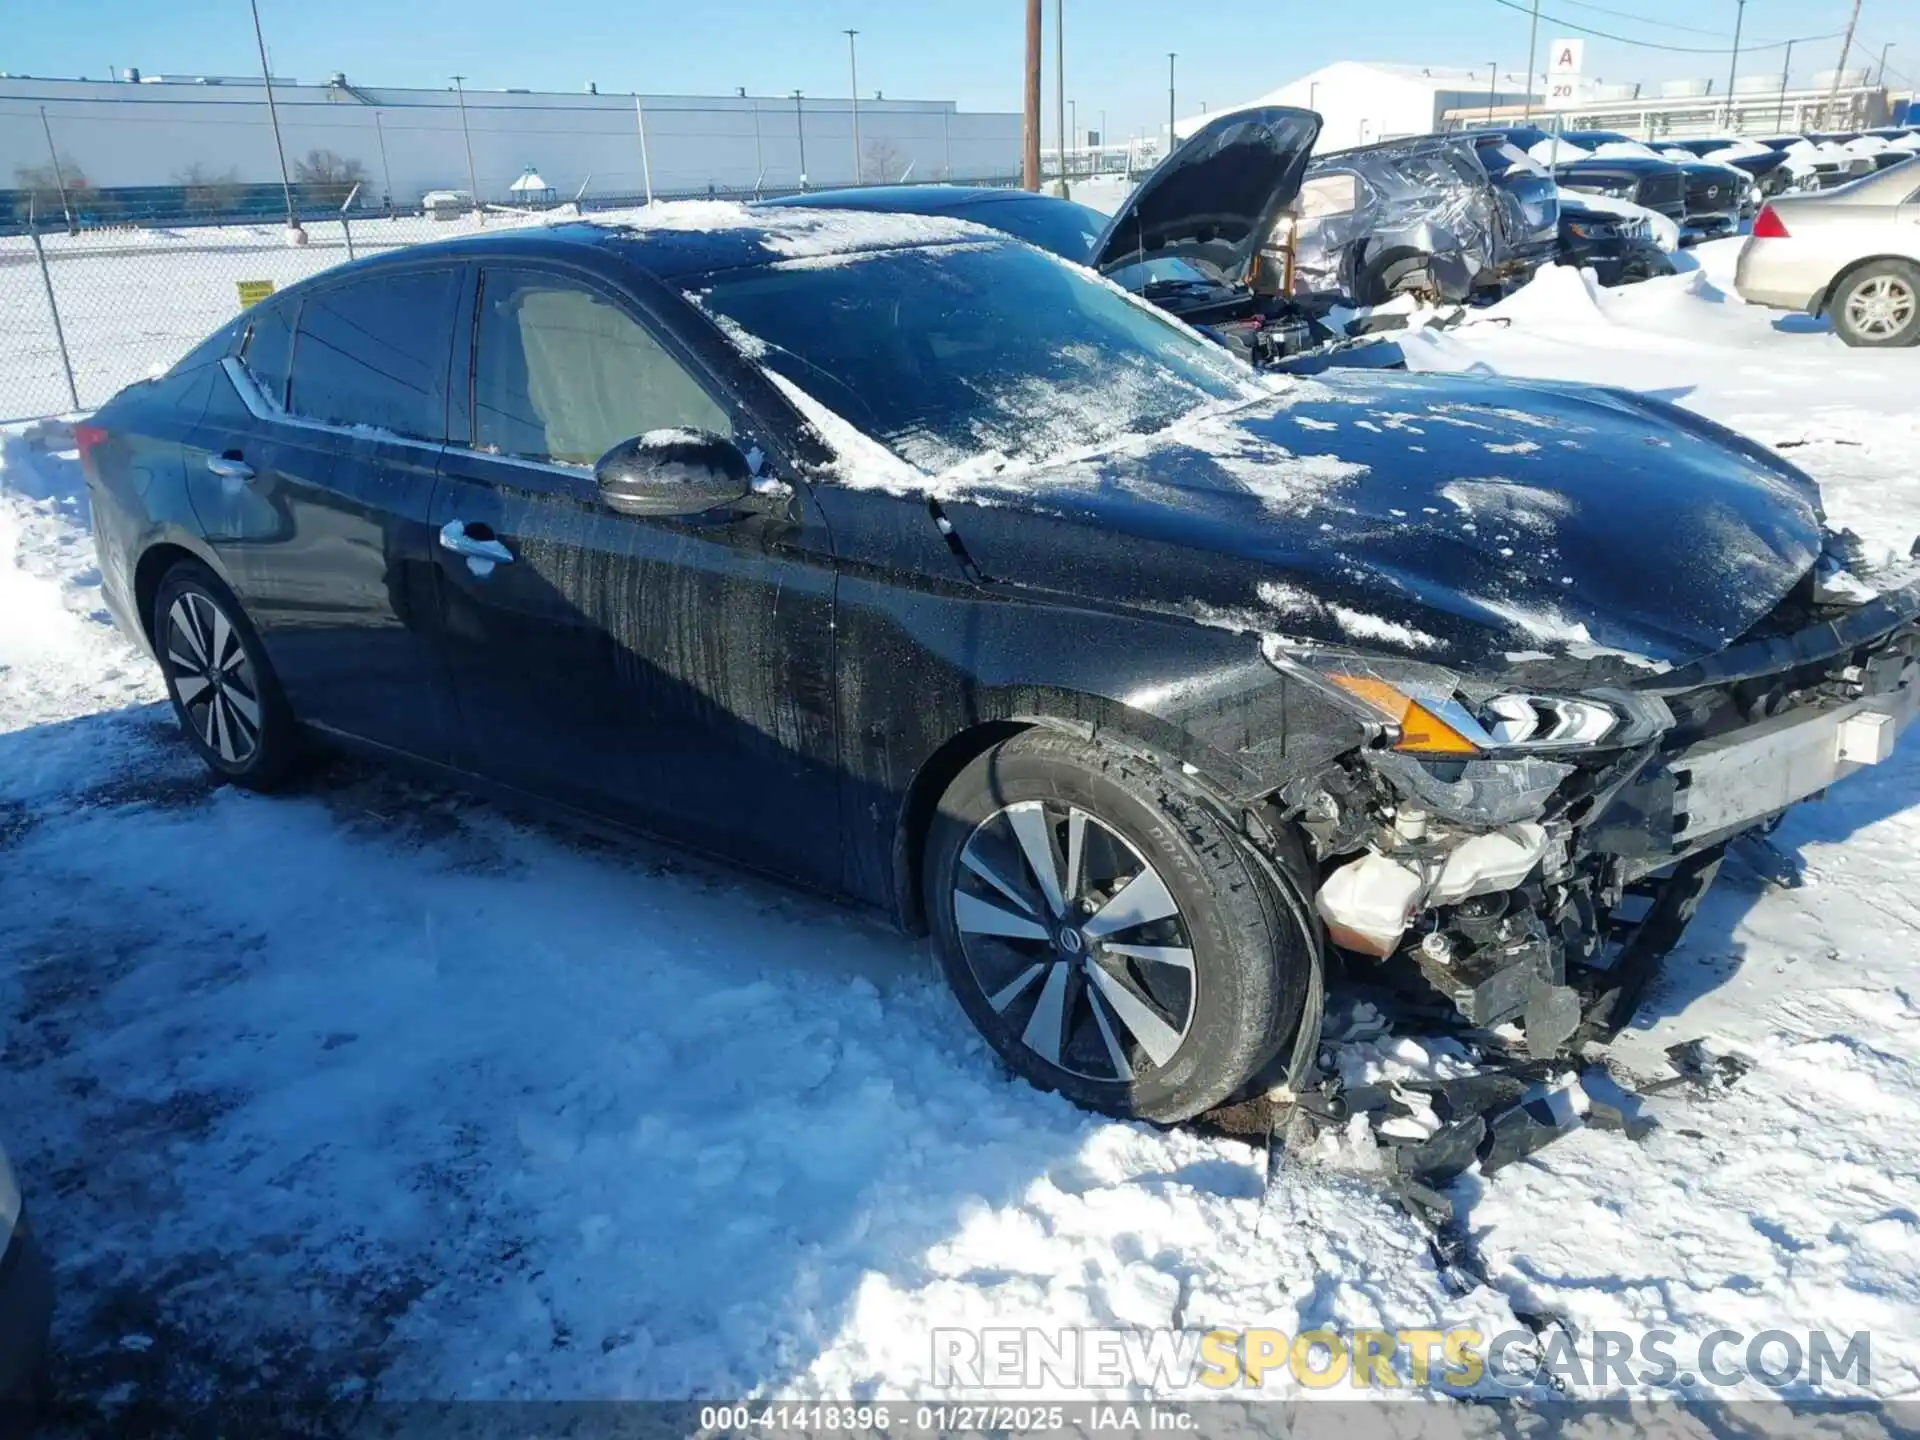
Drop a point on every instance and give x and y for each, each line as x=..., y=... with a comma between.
x=1488, y=863
x=1368, y=903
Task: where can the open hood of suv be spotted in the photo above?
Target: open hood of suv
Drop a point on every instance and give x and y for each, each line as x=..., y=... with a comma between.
x=1216, y=198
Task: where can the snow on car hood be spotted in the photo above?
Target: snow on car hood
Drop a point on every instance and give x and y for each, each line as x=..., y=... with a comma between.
x=1449, y=517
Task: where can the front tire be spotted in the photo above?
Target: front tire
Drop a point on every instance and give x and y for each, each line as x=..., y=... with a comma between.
x=1878, y=305
x=224, y=693
x=1106, y=931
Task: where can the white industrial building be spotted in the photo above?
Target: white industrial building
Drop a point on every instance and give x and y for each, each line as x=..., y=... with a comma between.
x=1361, y=102
x=157, y=131
x=1765, y=104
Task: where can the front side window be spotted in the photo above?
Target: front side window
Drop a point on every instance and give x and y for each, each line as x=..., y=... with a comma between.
x=565, y=373
x=373, y=351
x=268, y=353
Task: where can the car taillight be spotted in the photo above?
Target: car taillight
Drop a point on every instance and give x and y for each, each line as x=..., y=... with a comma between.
x=87, y=438
x=1767, y=225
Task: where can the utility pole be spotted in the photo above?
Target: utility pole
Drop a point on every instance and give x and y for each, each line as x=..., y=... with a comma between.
x=646, y=160
x=294, y=232
x=1030, y=124
x=1786, y=72
x=800, y=129
x=1840, y=70
x=1493, y=86
x=386, y=174
x=1733, y=65
x=60, y=180
x=466, y=136
x=1060, y=87
x=1533, y=31
x=1171, y=54
x=853, y=80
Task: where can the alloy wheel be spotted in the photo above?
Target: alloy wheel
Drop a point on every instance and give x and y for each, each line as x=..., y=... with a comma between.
x=218, y=691
x=1075, y=941
x=1881, y=307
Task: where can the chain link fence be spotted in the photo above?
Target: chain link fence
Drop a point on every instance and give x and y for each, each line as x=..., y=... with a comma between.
x=87, y=312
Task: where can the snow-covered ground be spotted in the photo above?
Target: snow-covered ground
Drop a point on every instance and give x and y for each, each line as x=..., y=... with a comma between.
x=375, y=1090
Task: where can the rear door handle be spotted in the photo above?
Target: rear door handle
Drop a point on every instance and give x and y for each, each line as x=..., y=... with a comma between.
x=482, y=552
x=229, y=467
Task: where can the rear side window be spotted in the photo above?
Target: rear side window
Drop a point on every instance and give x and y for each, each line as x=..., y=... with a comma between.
x=373, y=351
x=268, y=353
x=564, y=373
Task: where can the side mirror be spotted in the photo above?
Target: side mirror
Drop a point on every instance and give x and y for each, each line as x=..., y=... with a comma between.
x=672, y=472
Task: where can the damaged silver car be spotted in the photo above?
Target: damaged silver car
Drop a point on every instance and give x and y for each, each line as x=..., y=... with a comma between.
x=1439, y=217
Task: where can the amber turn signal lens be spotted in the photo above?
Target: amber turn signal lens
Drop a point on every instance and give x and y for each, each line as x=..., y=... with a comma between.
x=1421, y=731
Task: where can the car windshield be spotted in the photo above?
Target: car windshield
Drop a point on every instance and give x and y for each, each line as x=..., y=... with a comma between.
x=952, y=353
x=1169, y=270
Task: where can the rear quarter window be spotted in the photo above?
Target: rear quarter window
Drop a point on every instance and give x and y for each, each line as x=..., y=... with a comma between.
x=268, y=351
x=373, y=351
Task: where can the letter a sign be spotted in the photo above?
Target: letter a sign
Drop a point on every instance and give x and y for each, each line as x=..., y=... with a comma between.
x=1564, y=61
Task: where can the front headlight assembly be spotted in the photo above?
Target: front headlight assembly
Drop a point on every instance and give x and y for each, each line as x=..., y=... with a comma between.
x=1430, y=711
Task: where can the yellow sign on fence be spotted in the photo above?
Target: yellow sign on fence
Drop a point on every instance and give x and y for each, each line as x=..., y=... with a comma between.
x=252, y=292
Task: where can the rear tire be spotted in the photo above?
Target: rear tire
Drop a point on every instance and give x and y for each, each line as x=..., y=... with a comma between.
x=1150, y=979
x=1878, y=305
x=224, y=692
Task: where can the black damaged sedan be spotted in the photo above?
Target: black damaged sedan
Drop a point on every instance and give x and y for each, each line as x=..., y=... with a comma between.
x=907, y=562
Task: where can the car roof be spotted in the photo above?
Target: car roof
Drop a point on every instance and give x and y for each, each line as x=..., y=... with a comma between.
x=680, y=239
x=906, y=199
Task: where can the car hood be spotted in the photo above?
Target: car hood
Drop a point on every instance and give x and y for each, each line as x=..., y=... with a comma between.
x=1452, y=518
x=1216, y=198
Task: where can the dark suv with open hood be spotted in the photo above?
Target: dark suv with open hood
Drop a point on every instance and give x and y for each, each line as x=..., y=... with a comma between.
x=1188, y=239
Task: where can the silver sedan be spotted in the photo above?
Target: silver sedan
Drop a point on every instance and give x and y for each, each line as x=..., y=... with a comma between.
x=1852, y=254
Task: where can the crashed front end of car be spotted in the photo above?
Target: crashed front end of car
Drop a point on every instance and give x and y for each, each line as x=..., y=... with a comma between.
x=1532, y=846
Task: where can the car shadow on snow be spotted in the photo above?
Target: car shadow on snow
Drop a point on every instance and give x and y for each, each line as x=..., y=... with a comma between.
x=376, y=1090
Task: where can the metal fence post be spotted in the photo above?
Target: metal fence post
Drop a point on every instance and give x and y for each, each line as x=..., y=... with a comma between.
x=53, y=309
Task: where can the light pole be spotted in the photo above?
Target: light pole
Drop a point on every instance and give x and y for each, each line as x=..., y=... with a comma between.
x=1073, y=122
x=1739, y=16
x=1786, y=71
x=1533, y=32
x=800, y=129
x=853, y=80
x=1881, y=79
x=60, y=179
x=1493, y=86
x=466, y=137
x=1171, y=54
x=1313, y=94
x=294, y=232
x=1060, y=86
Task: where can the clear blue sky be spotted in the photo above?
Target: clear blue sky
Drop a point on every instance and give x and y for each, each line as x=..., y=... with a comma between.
x=969, y=50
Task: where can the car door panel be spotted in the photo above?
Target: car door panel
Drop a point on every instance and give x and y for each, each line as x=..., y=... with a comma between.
x=322, y=526
x=671, y=673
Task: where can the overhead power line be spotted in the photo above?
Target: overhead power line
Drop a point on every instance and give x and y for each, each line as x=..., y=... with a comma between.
x=1661, y=45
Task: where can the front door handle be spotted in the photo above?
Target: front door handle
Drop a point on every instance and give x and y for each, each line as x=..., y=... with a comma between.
x=482, y=552
x=229, y=467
